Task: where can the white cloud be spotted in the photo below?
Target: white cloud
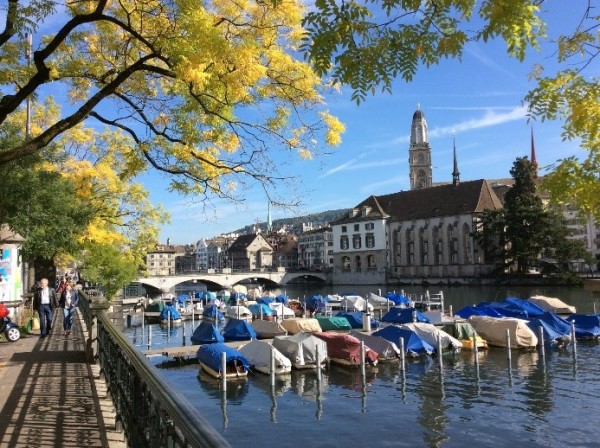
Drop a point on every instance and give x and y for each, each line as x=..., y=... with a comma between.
x=352, y=165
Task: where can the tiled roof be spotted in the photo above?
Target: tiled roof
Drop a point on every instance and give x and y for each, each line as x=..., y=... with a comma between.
x=442, y=200
x=243, y=241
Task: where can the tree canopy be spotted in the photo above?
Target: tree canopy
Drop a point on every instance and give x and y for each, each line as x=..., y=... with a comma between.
x=525, y=232
x=205, y=92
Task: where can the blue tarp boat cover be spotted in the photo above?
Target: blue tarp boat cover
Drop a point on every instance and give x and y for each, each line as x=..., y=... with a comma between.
x=212, y=311
x=469, y=311
x=169, y=308
x=237, y=296
x=555, y=328
x=586, y=325
x=206, y=333
x=206, y=295
x=354, y=318
x=282, y=299
x=210, y=355
x=238, y=330
x=514, y=307
x=181, y=298
x=413, y=344
x=255, y=309
x=316, y=304
x=404, y=316
x=398, y=299
x=265, y=300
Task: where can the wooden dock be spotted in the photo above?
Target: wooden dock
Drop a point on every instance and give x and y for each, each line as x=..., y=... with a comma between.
x=188, y=351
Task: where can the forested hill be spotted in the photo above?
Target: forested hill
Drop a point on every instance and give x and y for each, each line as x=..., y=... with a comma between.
x=317, y=219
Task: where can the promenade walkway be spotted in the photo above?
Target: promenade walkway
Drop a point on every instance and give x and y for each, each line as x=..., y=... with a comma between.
x=50, y=396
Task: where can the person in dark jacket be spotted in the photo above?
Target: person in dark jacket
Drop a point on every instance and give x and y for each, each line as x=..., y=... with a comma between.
x=68, y=302
x=44, y=302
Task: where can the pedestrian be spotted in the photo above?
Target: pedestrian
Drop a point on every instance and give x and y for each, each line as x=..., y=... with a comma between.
x=44, y=302
x=69, y=300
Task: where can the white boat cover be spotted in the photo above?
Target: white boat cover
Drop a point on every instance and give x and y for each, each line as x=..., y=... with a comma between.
x=552, y=304
x=258, y=354
x=335, y=298
x=240, y=288
x=239, y=312
x=493, y=330
x=384, y=348
x=281, y=310
x=379, y=301
x=301, y=349
x=266, y=329
x=301, y=324
x=430, y=334
x=354, y=303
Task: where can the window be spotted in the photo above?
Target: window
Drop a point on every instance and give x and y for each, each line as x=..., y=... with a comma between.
x=356, y=242
x=344, y=229
x=346, y=264
x=357, y=263
x=344, y=244
x=356, y=227
x=371, y=265
x=370, y=240
x=369, y=226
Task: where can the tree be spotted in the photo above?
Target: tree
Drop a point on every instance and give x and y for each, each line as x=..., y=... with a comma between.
x=107, y=265
x=204, y=92
x=367, y=45
x=523, y=230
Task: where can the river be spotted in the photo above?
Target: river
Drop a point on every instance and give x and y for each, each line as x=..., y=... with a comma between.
x=536, y=400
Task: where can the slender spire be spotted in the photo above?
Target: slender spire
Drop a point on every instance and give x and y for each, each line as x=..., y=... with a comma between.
x=269, y=223
x=455, y=173
x=534, y=163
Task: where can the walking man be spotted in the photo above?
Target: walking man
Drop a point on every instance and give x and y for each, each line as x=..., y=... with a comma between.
x=44, y=301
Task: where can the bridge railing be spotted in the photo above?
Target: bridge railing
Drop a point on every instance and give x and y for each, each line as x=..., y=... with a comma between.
x=151, y=412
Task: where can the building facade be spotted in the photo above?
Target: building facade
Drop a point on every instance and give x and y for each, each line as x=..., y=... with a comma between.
x=315, y=249
x=250, y=252
x=162, y=260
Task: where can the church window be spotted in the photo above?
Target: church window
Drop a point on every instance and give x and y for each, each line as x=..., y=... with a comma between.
x=467, y=244
x=371, y=265
x=370, y=240
x=357, y=263
x=344, y=244
x=452, y=244
x=356, y=241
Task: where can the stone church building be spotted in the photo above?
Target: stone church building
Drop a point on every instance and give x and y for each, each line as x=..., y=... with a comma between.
x=423, y=235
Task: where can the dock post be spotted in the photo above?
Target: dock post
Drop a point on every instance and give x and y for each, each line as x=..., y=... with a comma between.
x=168, y=323
x=237, y=305
x=223, y=371
x=318, y=356
x=149, y=336
x=414, y=316
x=272, y=366
x=541, y=340
x=573, y=339
x=183, y=331
x=439, y=347
x=402, y=360
x=193, y=317
x=450, y=312
x=508, y=351
x=362, y=360
x=143, y=323
x=475, y=348
x=594, y=307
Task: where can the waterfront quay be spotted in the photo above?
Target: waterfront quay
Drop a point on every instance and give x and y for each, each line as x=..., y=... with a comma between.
x=50, y=395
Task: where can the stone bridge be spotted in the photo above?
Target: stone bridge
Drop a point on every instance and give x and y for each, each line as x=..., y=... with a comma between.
x=222, y=280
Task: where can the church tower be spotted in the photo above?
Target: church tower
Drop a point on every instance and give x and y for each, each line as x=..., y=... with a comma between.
x=419, y=154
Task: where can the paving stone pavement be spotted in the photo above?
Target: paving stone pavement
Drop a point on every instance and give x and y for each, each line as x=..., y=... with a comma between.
x=50, y=396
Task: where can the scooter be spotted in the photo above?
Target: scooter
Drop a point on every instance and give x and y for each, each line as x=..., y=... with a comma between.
x=10, y=330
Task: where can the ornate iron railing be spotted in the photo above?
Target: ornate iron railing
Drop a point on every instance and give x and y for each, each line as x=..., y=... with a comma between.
x=151, y=413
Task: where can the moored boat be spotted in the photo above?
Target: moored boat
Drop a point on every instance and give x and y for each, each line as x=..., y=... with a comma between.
x=386, y=350
x=239, y=312
x=344, y=349
x=431, y=334
x=464, y=332
x=206, y=333
x=493, y=330
x=335, y=323
x=238, y=330
x=210, y=358
x=414, y=345
x=552, y=304
x=266, y=329
x=258, y=354
x=301, y=325
x=169, y=314
x=301, y=349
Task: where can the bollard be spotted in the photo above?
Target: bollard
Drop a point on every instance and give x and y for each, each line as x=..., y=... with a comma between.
x=362, y=360
x=402, y=360
x=183, y=331
x=475, y=348
x=439, y=341
x=261, y=313
x=414, y=316
x=541, y=339
x=272, y=366
x=573, y=339
x=224, y=371
x=318, y=355
x=388, y=306
x=508, y=351
x=366, y=320
x=149, y=336
x=450, y=312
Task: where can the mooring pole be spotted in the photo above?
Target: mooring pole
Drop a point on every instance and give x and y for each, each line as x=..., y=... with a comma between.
x=402, y=360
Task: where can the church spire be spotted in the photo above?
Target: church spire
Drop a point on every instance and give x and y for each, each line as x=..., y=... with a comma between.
x=455, y=172
x=419, y=153
x=533, y=159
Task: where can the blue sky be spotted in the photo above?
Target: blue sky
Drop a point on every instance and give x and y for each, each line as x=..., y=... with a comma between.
x=479, y=100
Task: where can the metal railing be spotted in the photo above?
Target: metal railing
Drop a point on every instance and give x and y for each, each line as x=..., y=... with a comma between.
x=151, y=413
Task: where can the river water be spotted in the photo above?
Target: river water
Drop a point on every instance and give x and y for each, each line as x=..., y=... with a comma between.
x=535, y=400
